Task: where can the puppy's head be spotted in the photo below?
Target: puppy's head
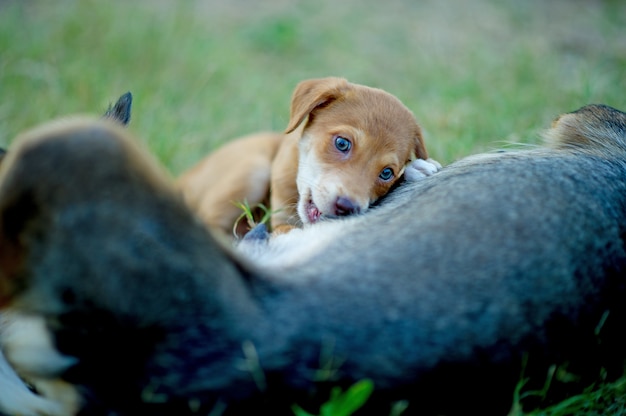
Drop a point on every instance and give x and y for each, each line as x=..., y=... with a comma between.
x=354, y=145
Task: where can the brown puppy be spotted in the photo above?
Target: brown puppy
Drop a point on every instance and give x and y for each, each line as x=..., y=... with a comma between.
x=345, y=146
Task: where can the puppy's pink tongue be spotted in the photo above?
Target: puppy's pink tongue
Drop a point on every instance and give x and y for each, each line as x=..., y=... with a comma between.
x=313, y=213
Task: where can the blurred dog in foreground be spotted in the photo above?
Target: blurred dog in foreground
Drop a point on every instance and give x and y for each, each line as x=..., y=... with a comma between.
x=345, y=146
x=445, y=295
x=15, y=396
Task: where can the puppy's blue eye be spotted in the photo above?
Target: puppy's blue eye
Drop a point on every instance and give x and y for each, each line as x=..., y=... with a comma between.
x=386, y=174
x=342, y=144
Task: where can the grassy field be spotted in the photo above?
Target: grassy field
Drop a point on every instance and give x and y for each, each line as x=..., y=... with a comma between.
x=478, y=74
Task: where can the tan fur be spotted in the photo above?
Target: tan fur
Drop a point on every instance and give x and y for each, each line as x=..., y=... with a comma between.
x=239, y=171
x=382, y=131
x=587, y=129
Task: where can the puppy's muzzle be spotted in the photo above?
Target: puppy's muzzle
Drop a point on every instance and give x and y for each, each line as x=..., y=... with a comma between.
x=345, y=206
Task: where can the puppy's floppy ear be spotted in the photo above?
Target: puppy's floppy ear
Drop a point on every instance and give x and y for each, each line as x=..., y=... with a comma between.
x=420, y=148
x=312, y=93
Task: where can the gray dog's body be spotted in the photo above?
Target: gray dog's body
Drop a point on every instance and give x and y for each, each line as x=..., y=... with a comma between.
x=442, y=296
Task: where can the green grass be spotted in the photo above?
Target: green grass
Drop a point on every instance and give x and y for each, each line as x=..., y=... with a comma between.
x=343, y=403
x=597, y=400
x=478, y=74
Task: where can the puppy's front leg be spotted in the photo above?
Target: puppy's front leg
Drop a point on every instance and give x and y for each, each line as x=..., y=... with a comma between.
x=420, y=169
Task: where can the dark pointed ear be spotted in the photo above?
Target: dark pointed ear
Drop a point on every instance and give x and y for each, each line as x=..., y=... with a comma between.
x=120, y=112
x=312, y=93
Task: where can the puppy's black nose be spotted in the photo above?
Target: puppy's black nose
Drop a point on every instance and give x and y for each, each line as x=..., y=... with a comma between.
x=344, y=206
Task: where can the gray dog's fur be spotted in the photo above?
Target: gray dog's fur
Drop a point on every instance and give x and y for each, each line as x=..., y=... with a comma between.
x=446, y=295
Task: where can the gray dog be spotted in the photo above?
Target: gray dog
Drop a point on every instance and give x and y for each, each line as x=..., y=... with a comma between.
x=444, y=296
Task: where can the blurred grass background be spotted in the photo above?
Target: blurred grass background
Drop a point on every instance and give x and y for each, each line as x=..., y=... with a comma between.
x=478, y=74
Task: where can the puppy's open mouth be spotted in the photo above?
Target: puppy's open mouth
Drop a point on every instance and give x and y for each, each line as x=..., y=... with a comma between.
x=313, y=214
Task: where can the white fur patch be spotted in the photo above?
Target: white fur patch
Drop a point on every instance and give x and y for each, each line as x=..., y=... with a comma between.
x=289, y=249
x=26, y=349
x=309, y=173
x=17, y=399
x=28, y=346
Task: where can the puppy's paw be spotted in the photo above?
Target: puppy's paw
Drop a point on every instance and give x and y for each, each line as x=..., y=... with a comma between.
x=420, y=169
